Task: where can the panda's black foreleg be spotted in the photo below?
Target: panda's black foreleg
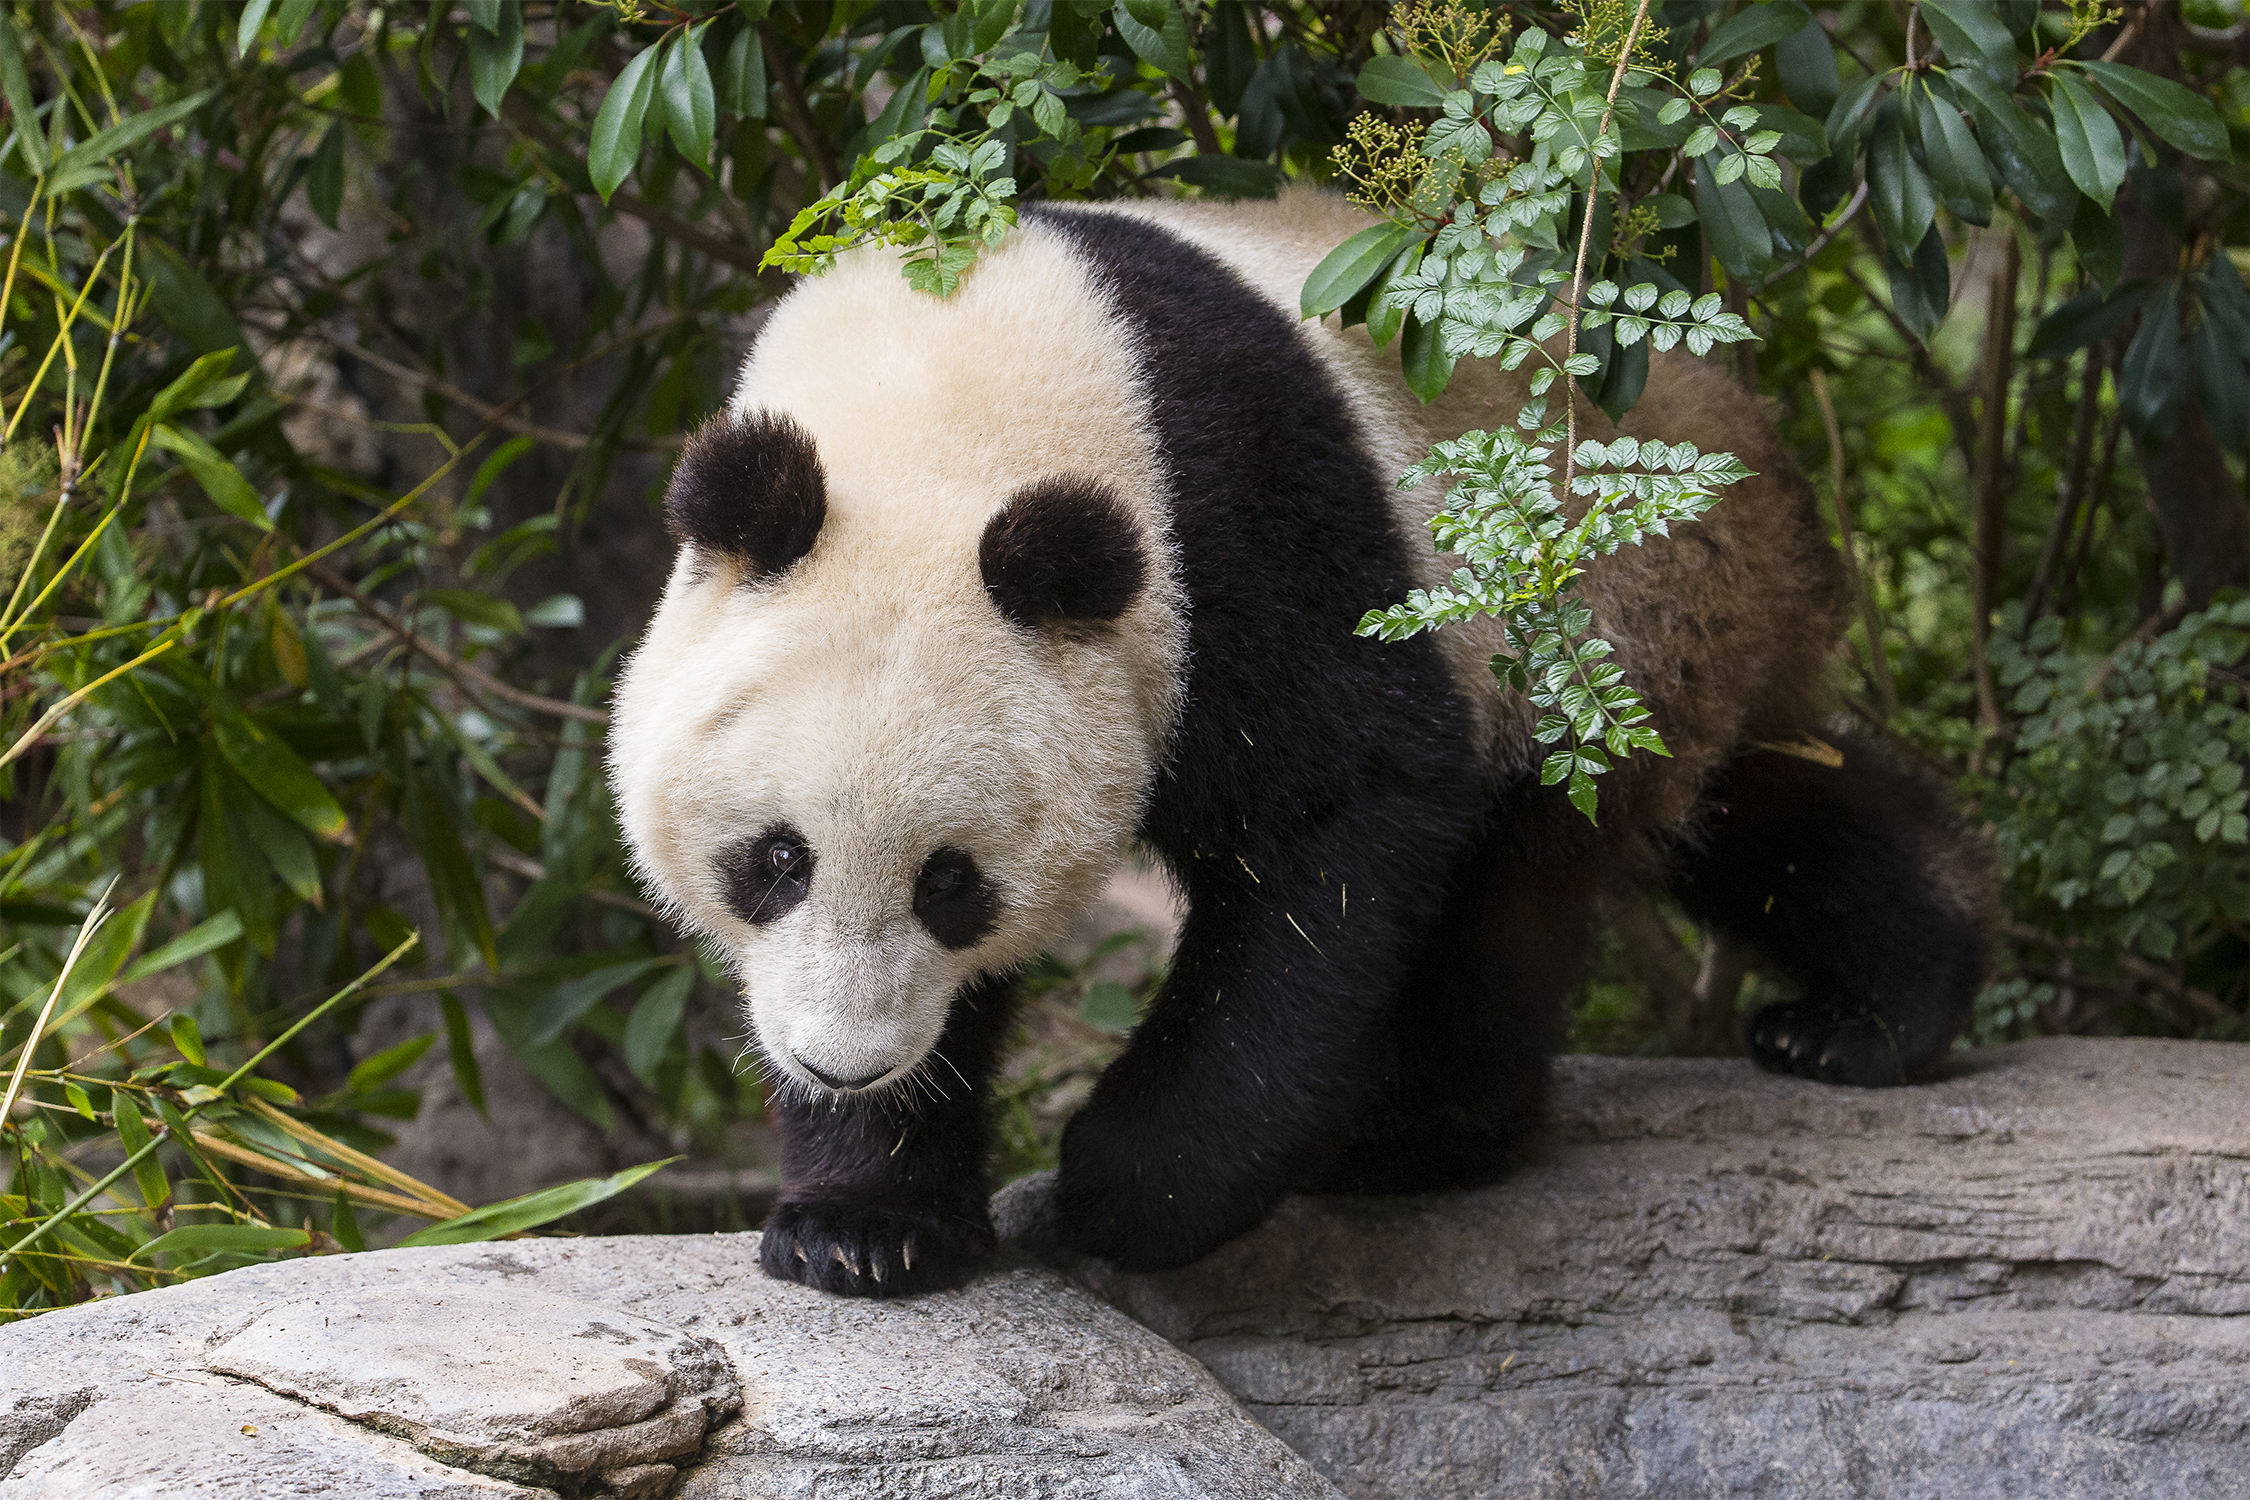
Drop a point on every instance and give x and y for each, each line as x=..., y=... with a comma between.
x=1463, y=1083
x=1859, y=882
x=883, y=1195
x=1244, y=1080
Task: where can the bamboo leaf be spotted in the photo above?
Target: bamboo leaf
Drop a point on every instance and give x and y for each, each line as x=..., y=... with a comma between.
x=530, y=1211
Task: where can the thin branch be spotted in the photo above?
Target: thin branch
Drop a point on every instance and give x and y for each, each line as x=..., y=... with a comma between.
x=1585, y=242
x=796, y=114
x=569, y=441
x=471, y=679
x=1820, y=241
x=1958, y=412
x=1879, y=666
x=1988, y=534
x=532, y=870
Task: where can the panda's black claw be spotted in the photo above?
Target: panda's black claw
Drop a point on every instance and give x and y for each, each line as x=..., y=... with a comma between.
x=1827, y=1042
x=859, y=1250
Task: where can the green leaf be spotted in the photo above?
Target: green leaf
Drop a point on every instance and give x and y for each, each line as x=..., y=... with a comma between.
x=373, y=1072
x=655, y=1021
x=185, y=300
x=126, y=133
x=616, y=144
x=244, y=1237
x=690, y=116
x=496, y=56
x=1224, y=176
x=1228, y=57
x=460, y=1050
x=742, y=77
x=2100, y=242
x=2184, y=119
x=2085, y=319
x=472, y=608
x=1806, y=61
x=1753, y=27
x=1921, y=288
x=284, y=846
x=253, y=21
x=15, y=88
x=1732, y=226
x=1956, y=161
x=485, y=14
x=324, y=179
x=1354, y=264
x=132, y=1134
x=1384, y=320
x=1973, y=37
x=1400, y=81
x=201, y=384
x=459, y=895
x=1108, y=1006
x=275, y=773
x=530, y=1211
x=2222, y=385
x=1899, y=189
x=560, y=1008
x=220, y=480
x=2092, y=150
x=345, y=1222
x=187, y=1038
x=2024, y=150
x=1428, y=368
x=207, y=936
x=1161, y=42
x=2152, y=380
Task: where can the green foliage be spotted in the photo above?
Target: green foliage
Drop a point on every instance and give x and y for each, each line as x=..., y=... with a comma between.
x=2121, y=814
x=285, y=688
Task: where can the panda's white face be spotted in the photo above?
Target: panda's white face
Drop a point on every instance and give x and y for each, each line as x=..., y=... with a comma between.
x=904, y=698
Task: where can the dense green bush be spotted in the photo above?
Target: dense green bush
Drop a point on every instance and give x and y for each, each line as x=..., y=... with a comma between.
x=319, y=521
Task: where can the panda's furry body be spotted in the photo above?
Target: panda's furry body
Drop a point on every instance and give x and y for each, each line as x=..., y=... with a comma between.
x=974, y=593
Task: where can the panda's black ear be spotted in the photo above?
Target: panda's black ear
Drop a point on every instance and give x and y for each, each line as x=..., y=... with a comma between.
x=749, y=489
x=1062, y=549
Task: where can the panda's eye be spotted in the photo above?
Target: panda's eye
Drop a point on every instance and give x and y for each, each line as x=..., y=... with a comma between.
x=954, y=900
x=763, y=878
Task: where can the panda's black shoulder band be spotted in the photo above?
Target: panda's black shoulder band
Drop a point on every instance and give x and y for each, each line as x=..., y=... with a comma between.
x=1062, y=549
x=749, y=489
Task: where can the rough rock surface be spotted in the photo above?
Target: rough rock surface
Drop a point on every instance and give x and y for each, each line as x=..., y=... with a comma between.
x=2031, y=1279
x=610, y=1368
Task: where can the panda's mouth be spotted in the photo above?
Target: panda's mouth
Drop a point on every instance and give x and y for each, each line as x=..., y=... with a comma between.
x=837, y=1085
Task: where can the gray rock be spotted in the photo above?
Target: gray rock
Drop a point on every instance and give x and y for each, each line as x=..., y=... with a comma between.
x=2030, y=1279
x=594, y=1367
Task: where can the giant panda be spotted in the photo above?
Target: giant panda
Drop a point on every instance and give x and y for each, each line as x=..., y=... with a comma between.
x=973, y=593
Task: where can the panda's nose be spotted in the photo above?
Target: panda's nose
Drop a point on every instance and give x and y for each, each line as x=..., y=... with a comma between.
x=840, y=1085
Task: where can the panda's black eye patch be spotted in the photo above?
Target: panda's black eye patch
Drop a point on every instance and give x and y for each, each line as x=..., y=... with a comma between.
x=1062, y=549
x=954, y=900
x=764, y=877
x=749, y=489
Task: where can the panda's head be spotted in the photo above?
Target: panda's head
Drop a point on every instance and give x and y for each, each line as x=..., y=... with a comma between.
x=903, y=701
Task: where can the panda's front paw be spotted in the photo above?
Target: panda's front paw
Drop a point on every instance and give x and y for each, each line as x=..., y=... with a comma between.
x=864, y=1250
x=1827, y=1041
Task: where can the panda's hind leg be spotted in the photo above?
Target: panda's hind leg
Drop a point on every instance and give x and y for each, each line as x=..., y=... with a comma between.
x=1857, y=881
x=1462, y=1086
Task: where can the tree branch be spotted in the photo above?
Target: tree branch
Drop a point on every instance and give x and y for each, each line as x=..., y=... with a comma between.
x=470, y=679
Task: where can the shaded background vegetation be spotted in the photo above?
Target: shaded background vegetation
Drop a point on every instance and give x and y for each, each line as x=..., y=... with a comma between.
x=345, y=346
